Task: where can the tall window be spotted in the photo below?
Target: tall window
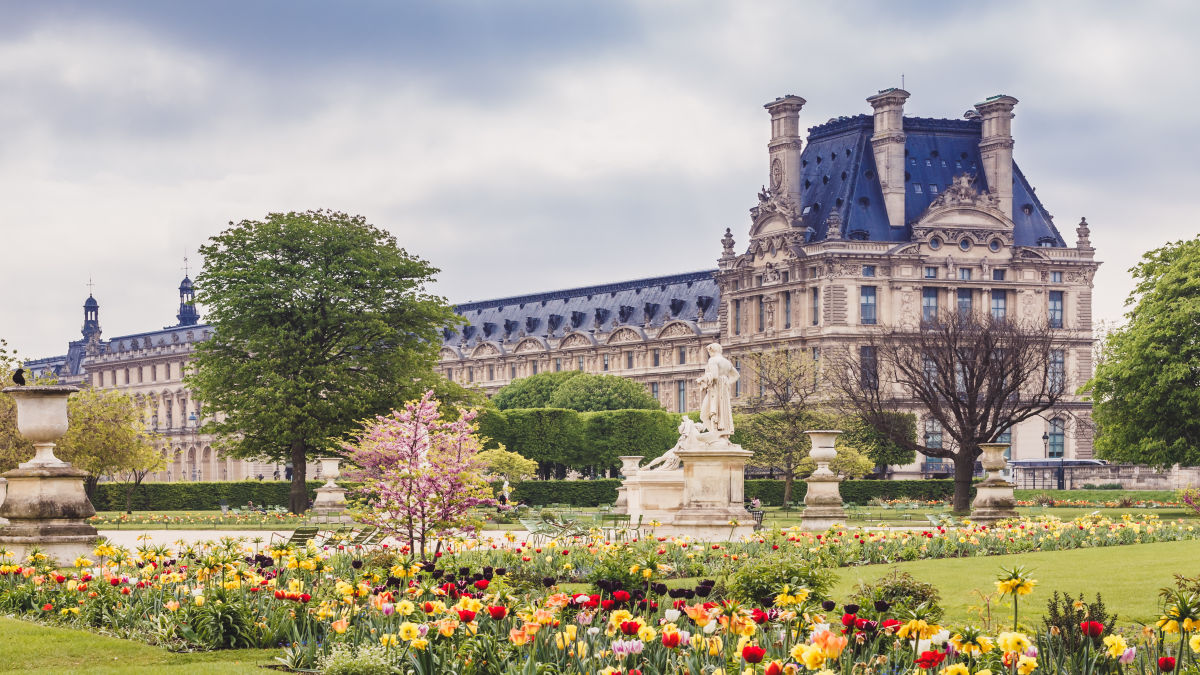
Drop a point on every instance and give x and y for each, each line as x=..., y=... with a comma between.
x=605, y=363
x=787, y=308
x=629, y=360
x=534, y=367
x=964, y=301
x=737, y=385
x=580, y=363
x=682, y=355
x=1057, y=374
x=491, y=373
x=929, y=302
x=816, y=364
x=657, y=357
x=737, y=317
x=557, y=365
x=868, y=363
x=681, y=396
x=999, y=304
x=930, y=370
x=816, y=305
x=512, y=373
x=470, y=374
x=1058, y=438
x=762, y=314
x=1004, y=436
x=1056, y=277
x=449, y=375
x=654, y=390
x=1056, y=309
x=866, y=305
x=933, y=433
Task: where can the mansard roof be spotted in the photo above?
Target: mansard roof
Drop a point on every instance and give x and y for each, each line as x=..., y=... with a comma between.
x=838, y=174
x=73, y=362
x=641, y=302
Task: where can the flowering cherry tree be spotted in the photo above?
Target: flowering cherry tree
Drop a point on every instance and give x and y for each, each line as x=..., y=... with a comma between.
x=419, y=472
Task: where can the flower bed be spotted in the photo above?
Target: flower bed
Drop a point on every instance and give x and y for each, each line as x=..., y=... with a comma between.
x=483, y=606
x=272, y=520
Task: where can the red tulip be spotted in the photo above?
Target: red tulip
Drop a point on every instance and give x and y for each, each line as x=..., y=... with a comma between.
x=630, y=627
x=498, y=612
x=481, y=584
x=753, y=653
x=114, y=581
x=621, y=596
x=671, y=640
x=773, y=668
x=47, y=607
x=305, y=597
x=466, y=615
x=929, y=660
x=1166, y=663
x=1092, y=629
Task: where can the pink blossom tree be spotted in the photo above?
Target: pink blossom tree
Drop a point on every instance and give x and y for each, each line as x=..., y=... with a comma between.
x=419, y=472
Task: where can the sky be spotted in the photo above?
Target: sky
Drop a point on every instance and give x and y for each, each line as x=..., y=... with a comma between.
x=529, y=146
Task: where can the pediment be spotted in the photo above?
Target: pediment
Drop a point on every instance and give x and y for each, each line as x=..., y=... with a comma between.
x=678, y=329
x=447, y=354
x=531, y=344
x=626, y=334
x=575, y=340
x=484, y=349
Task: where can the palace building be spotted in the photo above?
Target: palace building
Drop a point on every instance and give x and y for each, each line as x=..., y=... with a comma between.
x=878, y=219
x=149, y=367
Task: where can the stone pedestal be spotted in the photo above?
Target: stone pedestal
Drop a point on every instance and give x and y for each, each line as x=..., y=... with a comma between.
x=330, y=503
x=630, y=465
x=994, y=499
x=46, y=505
x=823, y=500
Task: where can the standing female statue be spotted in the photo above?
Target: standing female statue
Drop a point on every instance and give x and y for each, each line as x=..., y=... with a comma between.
x=716, y=409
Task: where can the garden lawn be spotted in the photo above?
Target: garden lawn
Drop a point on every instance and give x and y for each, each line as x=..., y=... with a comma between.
x=29, y=647
x=1127, y=577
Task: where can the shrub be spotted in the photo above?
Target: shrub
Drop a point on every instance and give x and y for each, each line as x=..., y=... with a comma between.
x=903, y=592
x=609, y=434
x=1064, y=614
x=199, y=496
x=758, y=580
x=855, y=491
x=344, y=659
x=573, y=492
x=1043, y=499
x=1102, y=486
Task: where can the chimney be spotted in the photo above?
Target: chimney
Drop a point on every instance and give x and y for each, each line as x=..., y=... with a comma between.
x=995, y=147
x=888, y=144
x=784, y=148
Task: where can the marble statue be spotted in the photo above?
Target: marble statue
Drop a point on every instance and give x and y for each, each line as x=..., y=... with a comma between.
x=689, y=436
x=716, y=384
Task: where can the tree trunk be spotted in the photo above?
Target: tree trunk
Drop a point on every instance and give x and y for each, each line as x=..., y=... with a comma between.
x=129, y=497
x=89, y=487
x=964, y=473
x=298, y=495
x=787, y=487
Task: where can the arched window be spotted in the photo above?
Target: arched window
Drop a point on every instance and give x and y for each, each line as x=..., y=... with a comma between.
x=1056, y=445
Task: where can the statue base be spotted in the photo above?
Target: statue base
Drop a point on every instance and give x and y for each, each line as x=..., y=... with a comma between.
x=822, y=504
x=994, y=501
x=330, y=505
x=47, y=508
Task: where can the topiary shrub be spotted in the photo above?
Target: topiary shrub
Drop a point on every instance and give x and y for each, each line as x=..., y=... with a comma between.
x=903, y=592
x=758, y=580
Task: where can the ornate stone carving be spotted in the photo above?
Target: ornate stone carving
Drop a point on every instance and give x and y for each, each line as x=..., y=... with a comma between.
x=771, y=274
x=624, y=335
x=727, y=244
x=485, y=349
x=716, y=408
x=771, y=202
x=1083, y=232
x=961, y=192
x=676, y=330
x=528, y=346
x=833, y=226
x=575, y=340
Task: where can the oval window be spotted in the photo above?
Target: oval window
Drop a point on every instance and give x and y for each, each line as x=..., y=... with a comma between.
x=965, y=244
x=935, y=243
x=995, y=245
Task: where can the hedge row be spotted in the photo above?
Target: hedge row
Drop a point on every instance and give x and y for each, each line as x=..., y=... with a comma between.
x=208, y=496
x=854, y=491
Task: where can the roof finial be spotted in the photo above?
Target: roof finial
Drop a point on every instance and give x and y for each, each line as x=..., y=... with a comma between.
x=90, y=285
x=901, y=80
x=185, y=264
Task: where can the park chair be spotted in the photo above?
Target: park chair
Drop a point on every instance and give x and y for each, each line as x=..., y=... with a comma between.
x=537, y=531
x=614, y=525
x=299, y=537
x=758, y=519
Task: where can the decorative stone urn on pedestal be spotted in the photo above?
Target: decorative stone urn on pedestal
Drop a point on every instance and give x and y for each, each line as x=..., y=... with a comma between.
x=994, y=499
x=823, y=500
x=330, y=504
x=46, y=505
x=630, y=465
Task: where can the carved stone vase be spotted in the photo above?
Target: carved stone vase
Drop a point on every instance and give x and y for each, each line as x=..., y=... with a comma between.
x=46, y=506
x=330, y=503
x=823, y=500
x=994, y=498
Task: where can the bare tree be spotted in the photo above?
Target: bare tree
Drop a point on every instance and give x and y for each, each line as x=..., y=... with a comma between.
x=976, y=375
x=781, y=400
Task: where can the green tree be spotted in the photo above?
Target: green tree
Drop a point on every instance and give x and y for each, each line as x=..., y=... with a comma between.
x=609, y=434
x=509, y=466
x=105, y=434
x=534, y=391
x=587, y=393
x=321, y=320
x=878, y=446
x=134, y=469
x=14, y=449
x=552, y=437
x=1146, y=390
x=782, y=410
x=849, y=463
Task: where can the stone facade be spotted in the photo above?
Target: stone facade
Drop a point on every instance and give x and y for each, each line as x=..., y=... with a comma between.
x=876, y=220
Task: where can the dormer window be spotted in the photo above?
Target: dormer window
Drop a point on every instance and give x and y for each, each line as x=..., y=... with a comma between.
x=932, y=189
x=917, y=188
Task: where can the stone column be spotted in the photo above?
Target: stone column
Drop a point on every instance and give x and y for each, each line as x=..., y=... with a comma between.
x=46, y=505
x=630, y=465
x=823, y=500
x=330, y=504
x=994, y=499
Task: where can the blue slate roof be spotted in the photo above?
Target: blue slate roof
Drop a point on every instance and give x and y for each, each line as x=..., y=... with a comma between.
x=838, y=173
x=72, y=364
x=640, y=302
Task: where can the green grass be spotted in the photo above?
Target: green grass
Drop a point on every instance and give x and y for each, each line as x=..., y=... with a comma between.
x=1127, y=577
x=29, y=647
x=1101, y=495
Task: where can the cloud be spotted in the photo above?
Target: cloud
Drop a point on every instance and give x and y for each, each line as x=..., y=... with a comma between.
x=531, y=146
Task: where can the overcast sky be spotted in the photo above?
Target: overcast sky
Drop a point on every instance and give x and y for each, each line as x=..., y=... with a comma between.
x=529, y=146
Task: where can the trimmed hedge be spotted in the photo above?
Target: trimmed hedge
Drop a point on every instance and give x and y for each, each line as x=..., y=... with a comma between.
x=573, y=492
x=199, y=496
x=854, y=491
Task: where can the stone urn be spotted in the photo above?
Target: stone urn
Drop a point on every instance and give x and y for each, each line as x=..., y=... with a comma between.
x=994, y=499
x=330, y=503
x=823, y=500
x=46, y=505
x=630, y=465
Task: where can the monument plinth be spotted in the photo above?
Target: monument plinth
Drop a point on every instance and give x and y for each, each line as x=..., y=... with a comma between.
x=823, y=499
x=46, y=505
x=330, y=503
x=994, y=498
x=696, y=488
